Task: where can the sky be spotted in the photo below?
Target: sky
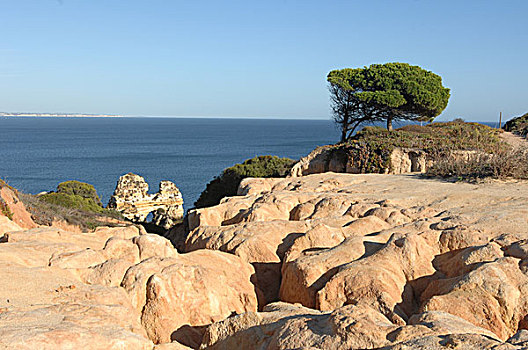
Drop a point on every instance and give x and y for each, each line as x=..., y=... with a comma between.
x=256, y=59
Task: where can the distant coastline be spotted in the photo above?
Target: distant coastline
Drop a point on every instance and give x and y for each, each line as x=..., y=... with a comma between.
x=62, y=115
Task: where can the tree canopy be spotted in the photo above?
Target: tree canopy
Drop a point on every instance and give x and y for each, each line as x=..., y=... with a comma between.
x=389, y=91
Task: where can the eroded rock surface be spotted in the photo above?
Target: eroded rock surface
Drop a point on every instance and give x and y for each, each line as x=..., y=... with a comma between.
x=132, y=199
x=326, y=261
x=432, y=263
x=113, y=288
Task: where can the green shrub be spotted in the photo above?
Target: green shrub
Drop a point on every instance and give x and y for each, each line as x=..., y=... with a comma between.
x=72, y=201
x=370, y=149
x=518, y=125
x=227, y=183
x=80, y=189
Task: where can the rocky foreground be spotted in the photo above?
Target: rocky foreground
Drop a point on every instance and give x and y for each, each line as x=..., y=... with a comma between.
x=327, y=261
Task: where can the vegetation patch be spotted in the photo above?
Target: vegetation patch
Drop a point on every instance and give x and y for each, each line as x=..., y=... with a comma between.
x=4, y=209
x=79, y=189
x=503, y=164
x=370, y=149
x=518, y=125
x=74, y=202
x=227, y=183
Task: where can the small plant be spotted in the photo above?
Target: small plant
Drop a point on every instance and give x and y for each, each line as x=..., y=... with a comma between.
x=5, y=210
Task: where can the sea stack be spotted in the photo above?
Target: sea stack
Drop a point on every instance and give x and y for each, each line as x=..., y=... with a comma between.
x=131, y=198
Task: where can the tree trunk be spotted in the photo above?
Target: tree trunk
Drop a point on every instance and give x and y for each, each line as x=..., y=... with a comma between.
x=344, y=127
x=343, y=134
x=389, y=123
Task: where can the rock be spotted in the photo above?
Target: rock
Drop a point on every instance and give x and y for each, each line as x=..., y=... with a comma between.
x=154, y=245
x=119, y=248
x=286, y=326
x=520, y=338
x=19, y=214
x=109, y=273
x=7, y=225
x=78, y=259
x=381, y=280
x=303, y=277
x=192, y=289
x=132, y=199
x=402, y=160
x=451, y=341
x=494, y=296
x=263, y=244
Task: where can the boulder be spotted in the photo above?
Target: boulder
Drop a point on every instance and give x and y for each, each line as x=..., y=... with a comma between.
x=492, y=296
x=189, y=290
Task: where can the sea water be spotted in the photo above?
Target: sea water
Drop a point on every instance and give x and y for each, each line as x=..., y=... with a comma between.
x=36, y=154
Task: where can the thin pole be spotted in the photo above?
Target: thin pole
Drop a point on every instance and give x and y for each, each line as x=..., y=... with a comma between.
x=500, y=120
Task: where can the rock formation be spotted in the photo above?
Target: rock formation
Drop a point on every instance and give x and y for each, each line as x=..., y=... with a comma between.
x=325, y=261
x=112, y=289
x=402, y=160
x=377, y=261
x=132, y=199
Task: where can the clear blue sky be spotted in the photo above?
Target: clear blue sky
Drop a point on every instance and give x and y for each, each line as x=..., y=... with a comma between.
x=252, y=58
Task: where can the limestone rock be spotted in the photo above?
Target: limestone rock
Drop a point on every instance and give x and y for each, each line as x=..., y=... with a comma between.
x=7, y=225
x=192, y=289
x=132, y=199
x=494, y=296
x=20, y=215
x=284, y=326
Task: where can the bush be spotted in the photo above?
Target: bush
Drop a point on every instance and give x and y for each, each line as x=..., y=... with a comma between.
x=227, y=183
x=518, y=125
x=502, y=164
x=46, y=212
x=72, y=201
x=80, y=189
x=370, y=149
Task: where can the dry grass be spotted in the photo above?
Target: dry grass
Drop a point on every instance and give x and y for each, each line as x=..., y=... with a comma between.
x=45, y=213
x=502, y=164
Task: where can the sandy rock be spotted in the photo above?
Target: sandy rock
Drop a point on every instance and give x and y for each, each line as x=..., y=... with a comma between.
x=171, y=346
x=451, y=341
x=197, y=289
x=125, y=232
x=381, y=279
x=135, y=279
x=118, y=248
x=20, y=215
x=78, y=259
x=7, y=225
x=263, y=244
x=303, y=277
x=288, y=326
x=493, y=296
x=151, y=245
x=109, y=273
x=462, y=261
x=32, y=254
x=69, y=326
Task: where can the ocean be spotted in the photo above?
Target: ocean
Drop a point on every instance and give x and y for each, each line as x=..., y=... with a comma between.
x=39, y=153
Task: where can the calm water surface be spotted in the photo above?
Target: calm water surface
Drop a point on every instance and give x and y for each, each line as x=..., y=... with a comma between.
x=38, y=153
